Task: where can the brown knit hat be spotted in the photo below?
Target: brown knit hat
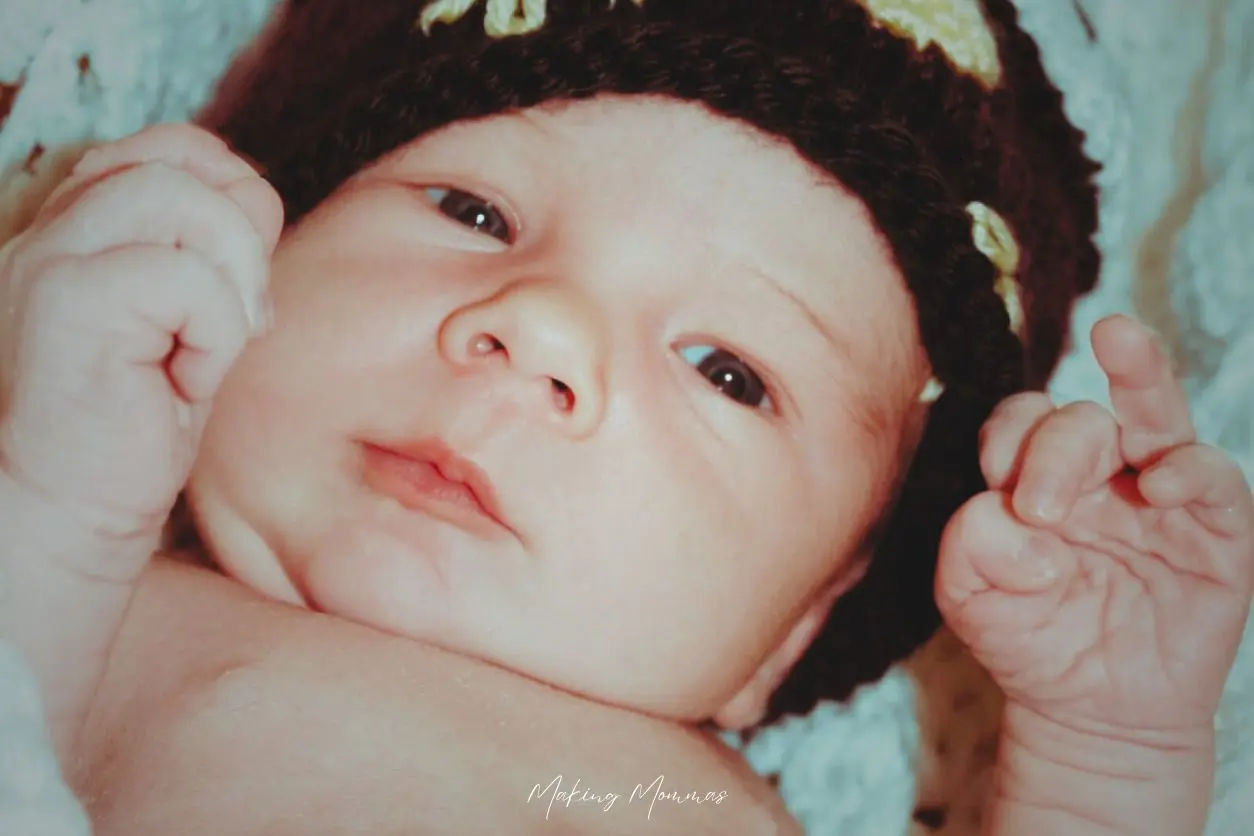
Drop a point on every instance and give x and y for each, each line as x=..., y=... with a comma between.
x=937, y=114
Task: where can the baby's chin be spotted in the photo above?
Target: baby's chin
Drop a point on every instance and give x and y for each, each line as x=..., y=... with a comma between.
x=360, y=573
x=346, y=564
x=340, y=561
x=385, y=588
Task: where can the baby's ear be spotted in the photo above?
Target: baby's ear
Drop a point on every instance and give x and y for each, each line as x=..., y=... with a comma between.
x=749, y=705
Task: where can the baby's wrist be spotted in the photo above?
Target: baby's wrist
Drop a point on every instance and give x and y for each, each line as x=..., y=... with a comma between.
x=64, y=589
x=1102, y=744
x=1085, y=778
x=69, y=541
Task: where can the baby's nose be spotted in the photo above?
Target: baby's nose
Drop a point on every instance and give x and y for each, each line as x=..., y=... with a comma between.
x=548, y=334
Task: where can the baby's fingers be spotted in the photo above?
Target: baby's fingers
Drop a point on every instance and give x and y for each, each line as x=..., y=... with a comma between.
x=185, y=148
x=117, y=362
x=1073, y=451
x=1003, y=436
x=155, y=204
x=986, y=548
x=1149, y=402
x=1207, y=483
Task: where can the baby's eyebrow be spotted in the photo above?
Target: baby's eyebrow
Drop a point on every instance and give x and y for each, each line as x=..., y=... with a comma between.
x=870, y=413
x=840, y=346
x=526, y=119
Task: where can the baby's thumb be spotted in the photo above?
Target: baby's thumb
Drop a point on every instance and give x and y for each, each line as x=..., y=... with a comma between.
x=985, y=549
x=261, y=204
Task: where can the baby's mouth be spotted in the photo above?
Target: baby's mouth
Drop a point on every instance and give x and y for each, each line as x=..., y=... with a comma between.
x=428, y=477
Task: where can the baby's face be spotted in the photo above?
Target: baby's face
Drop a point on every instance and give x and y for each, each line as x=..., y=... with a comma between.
x=682, y=365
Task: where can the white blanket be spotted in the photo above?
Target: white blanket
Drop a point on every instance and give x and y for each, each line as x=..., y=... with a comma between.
x=1165, y=91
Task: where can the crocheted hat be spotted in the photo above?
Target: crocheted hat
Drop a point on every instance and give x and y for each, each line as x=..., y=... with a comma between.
x=937, y=114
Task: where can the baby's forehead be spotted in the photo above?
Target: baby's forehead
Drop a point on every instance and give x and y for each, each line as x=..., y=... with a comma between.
x=617, y=126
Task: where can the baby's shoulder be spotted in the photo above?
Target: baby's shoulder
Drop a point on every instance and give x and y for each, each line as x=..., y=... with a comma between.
x=215, y=692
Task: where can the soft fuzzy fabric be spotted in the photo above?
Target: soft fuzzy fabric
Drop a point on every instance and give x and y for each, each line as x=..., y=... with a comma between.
x=1163, y=88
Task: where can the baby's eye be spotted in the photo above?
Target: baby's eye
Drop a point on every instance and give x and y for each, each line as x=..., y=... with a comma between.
x=728, y=374
x=472, y=211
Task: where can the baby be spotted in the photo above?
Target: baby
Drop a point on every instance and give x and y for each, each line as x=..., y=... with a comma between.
x=638, y=351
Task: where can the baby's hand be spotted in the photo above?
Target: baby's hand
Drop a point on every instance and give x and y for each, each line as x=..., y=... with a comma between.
x=121, y=308
x=1105, y=578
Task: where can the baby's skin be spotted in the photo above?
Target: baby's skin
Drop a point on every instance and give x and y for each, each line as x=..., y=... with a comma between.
x=1103, y=579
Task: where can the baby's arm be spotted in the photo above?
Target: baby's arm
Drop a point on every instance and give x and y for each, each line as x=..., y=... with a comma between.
x=65, y=589
x=1057, y=781
x=123, y=304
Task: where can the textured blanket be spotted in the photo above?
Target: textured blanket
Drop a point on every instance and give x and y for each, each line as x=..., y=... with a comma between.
x=1164, y=90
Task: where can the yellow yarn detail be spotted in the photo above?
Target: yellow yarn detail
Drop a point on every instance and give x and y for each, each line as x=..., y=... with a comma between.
x=992, y=236
x=958, y=27
x=501, y=19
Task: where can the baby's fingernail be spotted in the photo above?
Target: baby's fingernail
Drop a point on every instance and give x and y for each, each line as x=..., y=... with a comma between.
x=1165, y=472
x=88, y=162
x=261, y=315
x=1162, y=485
x=1035, y=559
x=253, y=315
x=267, y=312
x=1040, y=502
